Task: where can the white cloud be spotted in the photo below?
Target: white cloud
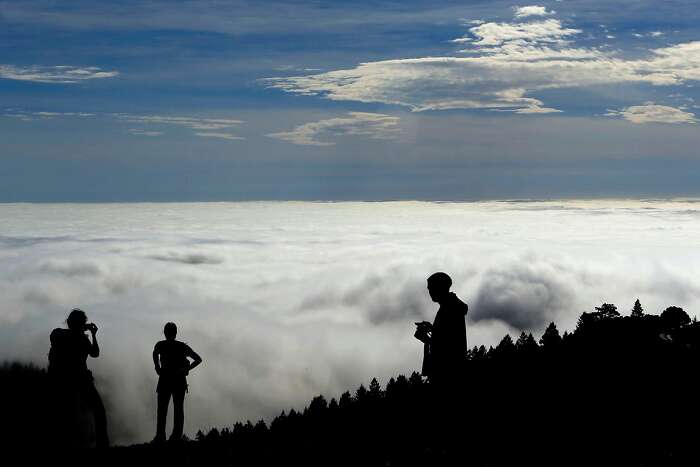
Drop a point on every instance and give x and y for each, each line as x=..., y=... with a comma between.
x=202, y=127
x=219, y=135
x=288, y=300
x=19, y=116
x=62, y=74
x=369, y=125
x=194, y=123
x=548, y=31
x=510, y=62
x=652, y=113
x=532, y=10
x=648, y=34
x=140, y=132
x=44, y=115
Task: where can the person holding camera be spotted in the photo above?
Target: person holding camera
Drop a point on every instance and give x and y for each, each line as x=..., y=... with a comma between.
x=172, y=364
x=68, y=367
x=445, y=339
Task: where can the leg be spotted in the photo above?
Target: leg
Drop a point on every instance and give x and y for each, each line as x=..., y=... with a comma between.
x=94, y=402
x=163, y=401
x=179, y=416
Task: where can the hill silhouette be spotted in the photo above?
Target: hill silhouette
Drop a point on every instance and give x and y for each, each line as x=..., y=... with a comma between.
x=617, y=390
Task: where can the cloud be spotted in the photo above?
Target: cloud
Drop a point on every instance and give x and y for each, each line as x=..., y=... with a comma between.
x=364, y=124
x=652, y=113
x=202, y=127
x=43, y=115
x=508, y=63
x=548, y=31
x=532, y=10
x=527, y=294
x=70, y=268
x=288, y=300
x=188, y=258
x=140, y=132
x=194, y=123
x=219, y=135
x=62, y=74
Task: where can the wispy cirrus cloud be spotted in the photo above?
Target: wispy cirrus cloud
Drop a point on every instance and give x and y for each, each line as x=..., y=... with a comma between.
x=219, y=135
x=508, y=63
x=140, y=132
x=202, y=127
x=151, y=125
x=44, y=115
x=364, y=124
x=652, y=113
x=60, y=74
x=194, y=123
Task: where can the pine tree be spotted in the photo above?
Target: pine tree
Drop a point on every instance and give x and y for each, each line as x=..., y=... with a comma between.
x=333, y=404
x=361, y=394
x=506, y=347
x=345, y=401
x=526, y=345
x=318, y=405
x=551, y=338
x=375, y=390
x=480, y=354
x=260, y=427
x=637, y=310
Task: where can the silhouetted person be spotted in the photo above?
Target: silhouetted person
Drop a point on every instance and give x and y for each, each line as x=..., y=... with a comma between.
x=171, y=360
x=446, y=338
x=68, y=368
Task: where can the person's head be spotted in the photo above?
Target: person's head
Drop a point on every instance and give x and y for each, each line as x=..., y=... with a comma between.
x=76, y=320
x=439, y=286
x=170, y=331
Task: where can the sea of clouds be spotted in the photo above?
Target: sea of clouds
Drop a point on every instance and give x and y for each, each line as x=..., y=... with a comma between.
x=288, y=300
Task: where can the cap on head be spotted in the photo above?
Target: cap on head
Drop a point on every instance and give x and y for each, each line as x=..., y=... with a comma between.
x=76, y=319
x=170, y=330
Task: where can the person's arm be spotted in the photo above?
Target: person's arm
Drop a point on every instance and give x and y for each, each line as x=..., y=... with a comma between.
x=196, y=359
x=94, y=351
x=156, y=359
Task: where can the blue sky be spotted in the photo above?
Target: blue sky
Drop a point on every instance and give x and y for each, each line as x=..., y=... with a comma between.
x=214, y=100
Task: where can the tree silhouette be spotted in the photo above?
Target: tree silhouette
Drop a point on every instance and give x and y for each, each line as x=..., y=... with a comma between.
x=506, y=348
x=551, y=338
x=607, y=310
x=526, y=345
x=375, y=390
x=674, y=317
x=637, y=310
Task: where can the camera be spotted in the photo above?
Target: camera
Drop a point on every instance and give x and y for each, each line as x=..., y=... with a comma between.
x=423, y=330
x=424, y=325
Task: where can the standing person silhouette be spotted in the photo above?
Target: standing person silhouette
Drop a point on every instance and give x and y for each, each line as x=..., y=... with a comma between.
x=445, y=347
x=446, y=338
x=171, y=360
x=68, y=368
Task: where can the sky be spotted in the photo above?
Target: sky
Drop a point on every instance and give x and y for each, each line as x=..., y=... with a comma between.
x=288, y=300
x=355, y=100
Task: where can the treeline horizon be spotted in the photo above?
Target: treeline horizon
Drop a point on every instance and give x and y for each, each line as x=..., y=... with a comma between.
x=615, y=388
